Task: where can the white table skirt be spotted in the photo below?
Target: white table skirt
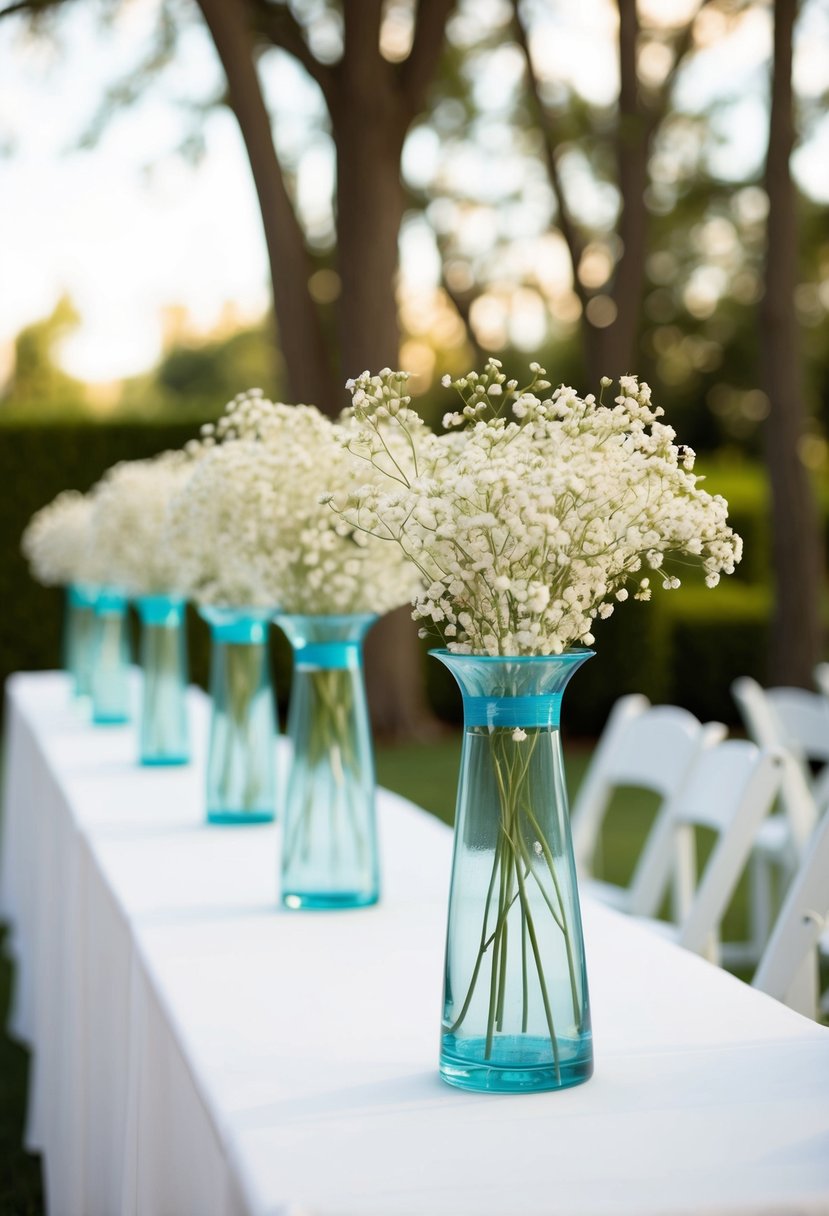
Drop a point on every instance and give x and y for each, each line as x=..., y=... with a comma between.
x=197, y=1052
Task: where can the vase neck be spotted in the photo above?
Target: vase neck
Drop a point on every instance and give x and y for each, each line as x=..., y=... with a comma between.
x=167, y=610
x=539, y=710
x=110, y=602
x=326, y=642
x=82, y=595
x=237, y=626
x=513, y=691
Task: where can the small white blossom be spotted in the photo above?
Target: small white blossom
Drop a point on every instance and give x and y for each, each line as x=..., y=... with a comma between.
x=255, y=523
x=533, y=514
x=129, y=520
x=56, y=542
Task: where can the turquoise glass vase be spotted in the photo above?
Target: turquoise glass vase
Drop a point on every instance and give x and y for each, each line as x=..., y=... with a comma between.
x=241, y=761
x=164, y=736
x=516, y=1014
x=110, y=679
x=329, y=837
x=78, y=636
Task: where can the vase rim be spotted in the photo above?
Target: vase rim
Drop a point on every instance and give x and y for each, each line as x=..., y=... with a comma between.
x=228, y=612
x=571, y=653
x=157, y=597
x=332, y=617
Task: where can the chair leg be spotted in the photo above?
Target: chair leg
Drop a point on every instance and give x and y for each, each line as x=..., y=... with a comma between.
x=760, y=912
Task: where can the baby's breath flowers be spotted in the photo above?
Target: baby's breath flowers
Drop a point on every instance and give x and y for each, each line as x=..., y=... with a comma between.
x=56, y=542
x=251, y=526
x=128, y=523
x=536, y=512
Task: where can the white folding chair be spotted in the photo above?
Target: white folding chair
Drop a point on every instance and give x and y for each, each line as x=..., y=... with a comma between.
x=730, y=790
x=797, y=721
x=789, y=967
x=650, y=747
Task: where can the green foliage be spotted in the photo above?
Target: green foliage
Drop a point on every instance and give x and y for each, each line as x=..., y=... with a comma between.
x=684, y=646
x=37, y=378
x=216, y=371
x=36, y=463
x=717, y=637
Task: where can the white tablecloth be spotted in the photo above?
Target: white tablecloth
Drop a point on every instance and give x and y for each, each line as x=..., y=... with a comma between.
x=197, y=1052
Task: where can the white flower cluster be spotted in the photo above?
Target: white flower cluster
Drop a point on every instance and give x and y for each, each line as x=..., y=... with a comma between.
x=251, y=526
x=534, y=514
x=56, y=540
x=129, y=515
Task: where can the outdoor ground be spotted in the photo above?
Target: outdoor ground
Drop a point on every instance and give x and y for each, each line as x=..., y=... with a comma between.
x=425, y=773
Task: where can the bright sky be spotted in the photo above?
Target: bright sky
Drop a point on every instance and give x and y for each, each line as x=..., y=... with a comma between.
x=127, y=228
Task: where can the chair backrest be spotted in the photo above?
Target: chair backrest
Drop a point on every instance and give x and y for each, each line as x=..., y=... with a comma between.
x=788, y=969
x=804, y=717
x=648, y=746
x=730, y=790
x=770, y=718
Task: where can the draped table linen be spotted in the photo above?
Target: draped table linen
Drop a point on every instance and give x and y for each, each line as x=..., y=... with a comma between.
x=196, y=1050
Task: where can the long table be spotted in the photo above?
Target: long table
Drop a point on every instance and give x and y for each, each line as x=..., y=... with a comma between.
x=198, y=1052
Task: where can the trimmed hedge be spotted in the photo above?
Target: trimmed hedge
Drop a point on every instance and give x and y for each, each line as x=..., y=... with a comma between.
x=685, y=647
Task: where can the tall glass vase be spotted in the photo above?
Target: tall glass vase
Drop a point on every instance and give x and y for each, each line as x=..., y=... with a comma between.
x=329, y=839
x=110, y=659
x=516, y=1015
x=241, y=762
x=164, y=737
x=78, y=636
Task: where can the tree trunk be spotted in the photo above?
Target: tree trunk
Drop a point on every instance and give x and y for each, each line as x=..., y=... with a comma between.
x=796, y=626
x=300, y=335
x=369, y=127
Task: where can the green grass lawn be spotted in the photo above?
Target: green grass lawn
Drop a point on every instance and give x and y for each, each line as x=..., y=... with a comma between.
x=425, y=773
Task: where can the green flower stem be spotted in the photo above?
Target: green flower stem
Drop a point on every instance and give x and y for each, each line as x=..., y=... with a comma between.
x=331, y=744
x=568, y=942
x=162, y=665
x=514, y=863
x=486, y=942
x=541, y=980
x=244, y=662
x=524, y=980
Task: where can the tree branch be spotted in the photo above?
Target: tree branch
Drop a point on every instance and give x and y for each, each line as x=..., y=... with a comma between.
x=418, y=68
x=29, y=6
x=685, y=42
x=566, y=222
x=278, y=24
x=300, y=332
x=462, y=303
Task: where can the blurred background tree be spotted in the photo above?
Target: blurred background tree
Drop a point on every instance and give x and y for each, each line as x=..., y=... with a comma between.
x=585, y=187
x=37, y=380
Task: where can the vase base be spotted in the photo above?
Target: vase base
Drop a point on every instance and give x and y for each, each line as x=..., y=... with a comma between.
x=240, y=818
x=163, y=761
x=103, y=719
x=331, y=900
x=518, y=1064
